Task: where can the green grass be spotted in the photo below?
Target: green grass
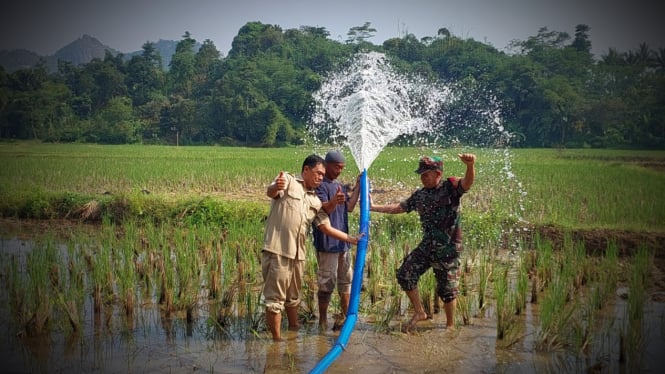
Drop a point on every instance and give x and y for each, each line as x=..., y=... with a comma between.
x=612, y=189
x=594, y=188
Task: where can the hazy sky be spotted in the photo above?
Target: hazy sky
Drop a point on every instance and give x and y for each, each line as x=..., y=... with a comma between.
x=44, y=26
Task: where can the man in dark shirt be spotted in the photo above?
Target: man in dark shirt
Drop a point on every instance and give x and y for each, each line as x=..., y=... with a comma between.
x=334, y=265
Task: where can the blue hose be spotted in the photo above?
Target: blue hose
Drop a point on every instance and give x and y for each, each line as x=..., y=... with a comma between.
x=356, y=284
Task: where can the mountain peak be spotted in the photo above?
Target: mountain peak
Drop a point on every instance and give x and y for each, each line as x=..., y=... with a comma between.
x=83, y=50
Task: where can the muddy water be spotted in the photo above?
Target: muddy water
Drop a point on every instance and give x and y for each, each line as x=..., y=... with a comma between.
x=109, y=343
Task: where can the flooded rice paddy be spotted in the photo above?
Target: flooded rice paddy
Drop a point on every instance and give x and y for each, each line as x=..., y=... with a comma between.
x=111, y=342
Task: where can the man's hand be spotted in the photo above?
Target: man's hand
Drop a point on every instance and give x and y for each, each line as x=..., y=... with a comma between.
x=340, y=198
x=280, y=182
x=467, y=158
x=354, y=239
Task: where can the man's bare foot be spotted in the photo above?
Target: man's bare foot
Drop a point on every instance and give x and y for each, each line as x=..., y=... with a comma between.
x=338, y=324
x=417, y=317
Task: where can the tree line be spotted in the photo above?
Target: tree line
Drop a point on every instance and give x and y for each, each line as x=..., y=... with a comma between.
x=551, y=90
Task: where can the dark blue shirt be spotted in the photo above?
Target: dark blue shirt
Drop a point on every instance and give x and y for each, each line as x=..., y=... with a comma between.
x=339, y=218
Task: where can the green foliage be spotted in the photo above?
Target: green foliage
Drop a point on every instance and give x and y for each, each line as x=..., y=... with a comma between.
x=40, y=204
x=552, y=91
x=220, y=213
x=115, y=124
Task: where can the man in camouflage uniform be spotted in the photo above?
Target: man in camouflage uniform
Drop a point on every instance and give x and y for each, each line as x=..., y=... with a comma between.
x=437, y=204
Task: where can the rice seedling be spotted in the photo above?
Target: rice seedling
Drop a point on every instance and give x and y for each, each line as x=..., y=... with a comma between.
x=553, y=312
x=609, y=270
x=631, y=336
x=503, y=308
x=186, y=270
x=582, y=326
x=168, y=280
x=427, y=290
x=465, y=300
x=522, y=281
x=544, y=263
x=42, y=270
x=484, y=273
x=554, y=315
x=372, y=269
x=254, y=320
x=70, y=294
x=17, y=283
x=308, y=309
x=124, y=267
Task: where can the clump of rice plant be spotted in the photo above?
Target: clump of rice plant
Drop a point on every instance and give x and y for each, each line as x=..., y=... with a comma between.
x=427, y=289
x=465, y=300
x=43, y=274
x=70, y=294
x=484, y=274
x=504, y=309
x=631, y=339
x=522, y=282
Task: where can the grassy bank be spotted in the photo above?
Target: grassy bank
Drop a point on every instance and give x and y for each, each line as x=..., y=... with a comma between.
x=577, y=189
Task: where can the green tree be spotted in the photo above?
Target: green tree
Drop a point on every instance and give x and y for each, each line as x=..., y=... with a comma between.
x=145, y=76
x=582, y=42
x=34, y=107
x=408, y=48
x=181, y=69
x=116, y=124
x=101, y=80
x=359, y=35
x=255, y=37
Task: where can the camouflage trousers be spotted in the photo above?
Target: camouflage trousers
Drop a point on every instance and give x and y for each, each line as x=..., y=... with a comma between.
x=444, y=261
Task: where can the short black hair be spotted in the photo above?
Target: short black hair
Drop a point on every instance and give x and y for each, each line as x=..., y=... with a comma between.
x=311, y=161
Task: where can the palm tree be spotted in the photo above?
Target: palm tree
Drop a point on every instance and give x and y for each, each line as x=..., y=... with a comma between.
x=643, y=55
x=659, y=60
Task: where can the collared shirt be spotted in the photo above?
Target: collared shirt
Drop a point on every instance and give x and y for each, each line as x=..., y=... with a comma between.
x=339, y=218
x=291, y=214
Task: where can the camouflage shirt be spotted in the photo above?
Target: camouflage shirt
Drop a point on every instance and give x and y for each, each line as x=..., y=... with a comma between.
x=438, y=209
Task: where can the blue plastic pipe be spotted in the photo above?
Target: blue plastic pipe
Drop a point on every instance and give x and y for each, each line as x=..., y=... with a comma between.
x=356, y=283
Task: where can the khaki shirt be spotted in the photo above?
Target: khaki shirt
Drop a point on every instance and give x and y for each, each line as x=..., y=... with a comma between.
x=291, y=215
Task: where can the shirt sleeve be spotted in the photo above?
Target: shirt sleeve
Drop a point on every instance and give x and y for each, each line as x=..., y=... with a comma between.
x=321, y=218
x=409, y=204
x=322, y=192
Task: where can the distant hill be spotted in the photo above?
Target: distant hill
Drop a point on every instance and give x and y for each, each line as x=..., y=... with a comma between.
x=18, y=59
x=78, y=52
x=83, y=50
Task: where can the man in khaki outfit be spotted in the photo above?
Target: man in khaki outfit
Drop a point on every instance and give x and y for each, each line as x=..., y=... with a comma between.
x=293, y=208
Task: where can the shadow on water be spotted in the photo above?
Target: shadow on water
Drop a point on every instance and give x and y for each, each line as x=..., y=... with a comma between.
x=149, y=342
